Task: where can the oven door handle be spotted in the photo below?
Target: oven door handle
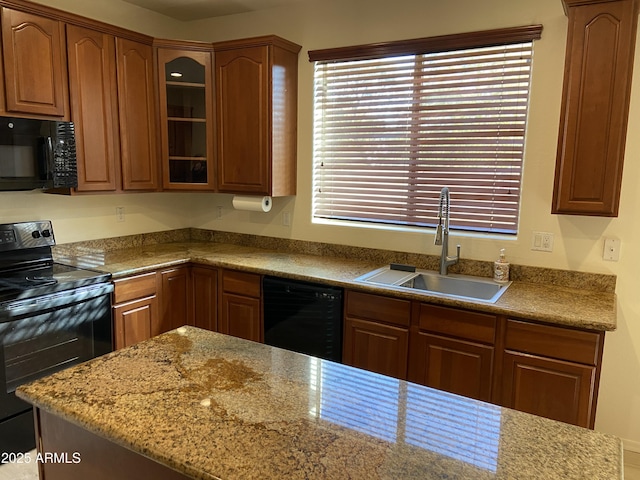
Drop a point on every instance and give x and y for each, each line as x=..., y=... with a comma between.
x=53, y=300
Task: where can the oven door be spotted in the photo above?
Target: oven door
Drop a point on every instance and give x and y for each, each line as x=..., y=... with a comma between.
x=40, y=336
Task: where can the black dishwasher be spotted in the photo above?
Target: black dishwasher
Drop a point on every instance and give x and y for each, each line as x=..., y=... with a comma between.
x=304, y=317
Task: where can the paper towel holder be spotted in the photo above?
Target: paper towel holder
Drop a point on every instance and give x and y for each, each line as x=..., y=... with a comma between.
x=252, y=203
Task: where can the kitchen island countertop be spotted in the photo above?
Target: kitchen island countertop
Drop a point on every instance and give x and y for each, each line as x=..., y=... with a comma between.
x=212, y=406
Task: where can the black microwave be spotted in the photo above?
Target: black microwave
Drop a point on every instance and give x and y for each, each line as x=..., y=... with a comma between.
x=37, y=154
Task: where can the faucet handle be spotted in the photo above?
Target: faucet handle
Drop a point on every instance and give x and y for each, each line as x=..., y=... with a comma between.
x=458, y=252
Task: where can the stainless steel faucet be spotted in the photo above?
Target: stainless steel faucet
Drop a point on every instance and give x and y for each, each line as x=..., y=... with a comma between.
x=442, y=233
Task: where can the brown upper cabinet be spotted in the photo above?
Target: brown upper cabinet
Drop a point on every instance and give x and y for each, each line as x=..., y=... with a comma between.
x=94, y=107
x=137, y=113
x=34, y=63
x=185, y=89
x=256, y=103
x=112, y=106
x=595, y=105
x=231, y=128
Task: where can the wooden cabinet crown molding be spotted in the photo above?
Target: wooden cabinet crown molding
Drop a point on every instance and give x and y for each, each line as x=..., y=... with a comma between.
x=273, y=40
x=577, y=3
x=188, y=45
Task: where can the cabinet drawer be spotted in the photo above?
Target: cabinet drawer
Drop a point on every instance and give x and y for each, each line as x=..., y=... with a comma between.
x=242, y=283
x=130, y=288
x=554, y=342
x=458, y=323
x=376, y=307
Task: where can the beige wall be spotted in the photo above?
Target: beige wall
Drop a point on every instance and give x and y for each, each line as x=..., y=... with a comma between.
x=122, y=14
x=322, y=24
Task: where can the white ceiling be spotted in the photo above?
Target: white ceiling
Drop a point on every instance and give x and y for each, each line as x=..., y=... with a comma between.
x=196, y=9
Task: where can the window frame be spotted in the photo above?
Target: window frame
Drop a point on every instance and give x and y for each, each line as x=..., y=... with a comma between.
x=439, y=44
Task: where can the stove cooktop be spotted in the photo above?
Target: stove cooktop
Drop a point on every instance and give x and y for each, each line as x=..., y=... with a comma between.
x=42, y=280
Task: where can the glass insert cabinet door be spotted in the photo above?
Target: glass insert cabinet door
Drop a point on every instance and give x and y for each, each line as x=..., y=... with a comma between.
x=186, y=102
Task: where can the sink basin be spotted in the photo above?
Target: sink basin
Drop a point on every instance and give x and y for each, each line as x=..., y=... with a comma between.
x=455, y=286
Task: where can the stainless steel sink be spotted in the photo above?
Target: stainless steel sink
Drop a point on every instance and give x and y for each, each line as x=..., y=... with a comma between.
x=452, y=285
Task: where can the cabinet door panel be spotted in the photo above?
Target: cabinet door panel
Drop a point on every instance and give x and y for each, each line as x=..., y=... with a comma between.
x=456, y=366
x=175, y=289
x=243, y=120
x=34, y=64
x=376, y=347
x=240, y=316
x=136, y=101
x=186, y=113
x=550, y=388
x=133, y=321
x=94, y=107
x=205, y=291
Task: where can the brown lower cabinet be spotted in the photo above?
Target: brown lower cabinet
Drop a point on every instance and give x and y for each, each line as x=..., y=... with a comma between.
x=135, y=309
x=456, y=366
x=453, y=350
x=545, y=370
x=241, y=305
x=552, y=371
x=204, y=282
x=376, y=333
x=377, y=347
x=175, y=298
x=156, y=302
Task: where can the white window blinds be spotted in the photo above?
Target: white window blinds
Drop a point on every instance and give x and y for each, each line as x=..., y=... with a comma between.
x=391, y=131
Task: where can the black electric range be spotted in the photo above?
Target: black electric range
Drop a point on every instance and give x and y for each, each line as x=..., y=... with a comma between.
x=52, y=316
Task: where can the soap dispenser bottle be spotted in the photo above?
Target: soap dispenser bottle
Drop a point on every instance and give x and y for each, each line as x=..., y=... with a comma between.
x=501, y=268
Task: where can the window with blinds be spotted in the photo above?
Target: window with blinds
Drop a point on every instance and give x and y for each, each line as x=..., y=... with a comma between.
x=394, y=123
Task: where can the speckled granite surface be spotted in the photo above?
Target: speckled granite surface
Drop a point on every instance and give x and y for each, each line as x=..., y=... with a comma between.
x=214, y=406
x=553, y=296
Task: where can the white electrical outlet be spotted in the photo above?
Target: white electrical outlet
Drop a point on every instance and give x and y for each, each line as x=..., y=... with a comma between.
x=218, y=212
x=120, y=214
x=286, y=219
x=542, y=241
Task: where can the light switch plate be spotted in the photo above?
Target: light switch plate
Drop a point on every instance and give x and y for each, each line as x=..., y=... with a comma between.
x=542, y=241
x=611, y=251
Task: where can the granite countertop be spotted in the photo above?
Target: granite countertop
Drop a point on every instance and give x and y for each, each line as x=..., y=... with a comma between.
x=568, y=306
x=213, y=406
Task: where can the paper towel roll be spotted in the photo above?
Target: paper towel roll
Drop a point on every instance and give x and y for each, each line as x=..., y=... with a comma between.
x=253, y=204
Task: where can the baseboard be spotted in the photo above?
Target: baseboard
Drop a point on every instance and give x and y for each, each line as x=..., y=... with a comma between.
x=631, y=453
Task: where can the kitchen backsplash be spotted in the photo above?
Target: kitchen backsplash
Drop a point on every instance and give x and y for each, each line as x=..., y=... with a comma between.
x=523, y=273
